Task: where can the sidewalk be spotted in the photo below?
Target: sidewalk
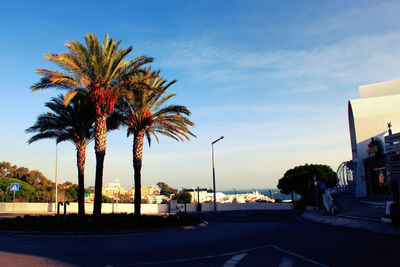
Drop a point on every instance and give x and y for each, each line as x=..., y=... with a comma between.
x=362, y=214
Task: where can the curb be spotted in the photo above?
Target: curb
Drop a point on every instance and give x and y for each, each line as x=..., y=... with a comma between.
x=352, y=223
x=191, y=227
x=373, y=204
x=359, y=218
x=100, y=234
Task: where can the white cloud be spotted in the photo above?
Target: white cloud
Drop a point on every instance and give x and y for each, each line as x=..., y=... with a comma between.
x=360, y=58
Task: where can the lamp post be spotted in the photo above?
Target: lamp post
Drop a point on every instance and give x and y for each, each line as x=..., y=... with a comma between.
x=213, y=166
x=56, y=174
x=316, y=192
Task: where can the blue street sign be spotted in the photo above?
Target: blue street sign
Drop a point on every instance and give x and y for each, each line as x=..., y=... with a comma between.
x=14, y=187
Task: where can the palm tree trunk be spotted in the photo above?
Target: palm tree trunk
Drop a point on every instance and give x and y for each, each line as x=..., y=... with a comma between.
x=100, y=150
x=137, y=166
x=80, y=158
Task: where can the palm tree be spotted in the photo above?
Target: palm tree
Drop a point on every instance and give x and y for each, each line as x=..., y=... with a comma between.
x=145, y=114
x=99, y=72
x=72, y=123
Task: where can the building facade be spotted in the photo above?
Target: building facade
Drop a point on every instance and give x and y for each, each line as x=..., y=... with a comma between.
x=113, y=190
x=147, y=192
x=377, y=106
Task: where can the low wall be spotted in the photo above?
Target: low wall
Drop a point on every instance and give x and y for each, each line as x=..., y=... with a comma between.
x=145, y=208
x=192, y=207
x=73, y=208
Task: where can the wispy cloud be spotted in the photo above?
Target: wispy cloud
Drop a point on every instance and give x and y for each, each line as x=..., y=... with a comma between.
x=369, y=16
x=362, y=58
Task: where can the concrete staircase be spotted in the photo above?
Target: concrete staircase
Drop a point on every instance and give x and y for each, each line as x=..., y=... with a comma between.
x=370, y=208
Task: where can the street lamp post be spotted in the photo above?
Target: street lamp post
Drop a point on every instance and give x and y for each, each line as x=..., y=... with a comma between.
x=316, y=192
x=213, y=166
x=56, y=174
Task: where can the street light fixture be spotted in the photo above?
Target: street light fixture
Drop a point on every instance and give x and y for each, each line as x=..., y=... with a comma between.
x=213, y=166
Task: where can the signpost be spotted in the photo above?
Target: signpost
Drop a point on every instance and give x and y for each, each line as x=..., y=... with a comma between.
x=14, y=188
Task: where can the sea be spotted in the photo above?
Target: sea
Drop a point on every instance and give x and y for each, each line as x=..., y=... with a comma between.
x=269, y=192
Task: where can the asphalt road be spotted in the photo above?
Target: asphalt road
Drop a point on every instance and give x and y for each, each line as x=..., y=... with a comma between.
x=239, y=238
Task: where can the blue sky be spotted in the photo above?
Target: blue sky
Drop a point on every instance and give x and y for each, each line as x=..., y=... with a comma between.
x=273, y=77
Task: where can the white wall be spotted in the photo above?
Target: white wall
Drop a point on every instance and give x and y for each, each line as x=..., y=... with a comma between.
x=192, y=207
x=73, y=208
x=379, y=89
x=145, y=208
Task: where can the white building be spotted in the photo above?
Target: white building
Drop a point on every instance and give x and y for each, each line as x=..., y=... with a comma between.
x=369, y=115
x=208, y=197
x=114, y=189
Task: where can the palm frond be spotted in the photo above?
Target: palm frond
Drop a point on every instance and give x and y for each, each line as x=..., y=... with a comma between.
x=144, y=110
x=74, y=122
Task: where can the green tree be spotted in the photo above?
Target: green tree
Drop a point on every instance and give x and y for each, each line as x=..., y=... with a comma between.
x=26, y=192
x=166, y=190
x=8, y=170
x=44, y=188
x=144, y=113
x=300, y=180
x=183, y=197
x=73, y=123
x=99, y=72
x=36, y=179
x=71, y=193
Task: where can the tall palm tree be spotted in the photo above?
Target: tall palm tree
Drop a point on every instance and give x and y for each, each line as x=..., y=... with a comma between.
x=145, y=114
x=74, y=123
x=99, y=72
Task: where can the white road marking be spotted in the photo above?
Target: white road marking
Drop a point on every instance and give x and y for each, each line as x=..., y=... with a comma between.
x=286, y=262
x=299, y=256
x=235, y=253
x=234, y=260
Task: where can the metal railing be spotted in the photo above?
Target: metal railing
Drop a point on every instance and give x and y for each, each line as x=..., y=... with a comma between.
x=344, y=176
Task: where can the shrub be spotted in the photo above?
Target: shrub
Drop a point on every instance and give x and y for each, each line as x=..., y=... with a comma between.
x=88, y=223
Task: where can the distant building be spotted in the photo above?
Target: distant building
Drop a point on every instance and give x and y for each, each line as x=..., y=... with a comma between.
x=146, y=192
x=113, y=190
x=377, y=105
x=208, y=197
x=198, y=194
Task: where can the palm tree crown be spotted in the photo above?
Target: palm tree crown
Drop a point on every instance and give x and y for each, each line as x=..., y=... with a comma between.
x=96, y=70
x=72, y=123
x=145, y=112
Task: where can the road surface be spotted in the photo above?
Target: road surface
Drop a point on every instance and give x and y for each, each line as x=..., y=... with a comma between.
x=236, y=238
